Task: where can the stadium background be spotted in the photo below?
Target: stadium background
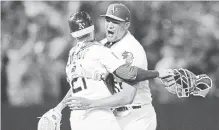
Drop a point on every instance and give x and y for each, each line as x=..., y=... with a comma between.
x=35, y=41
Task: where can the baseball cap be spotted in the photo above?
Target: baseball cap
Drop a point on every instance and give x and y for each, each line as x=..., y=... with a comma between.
x=118, y=12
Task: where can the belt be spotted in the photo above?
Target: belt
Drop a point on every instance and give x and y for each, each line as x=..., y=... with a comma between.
x=126, y=108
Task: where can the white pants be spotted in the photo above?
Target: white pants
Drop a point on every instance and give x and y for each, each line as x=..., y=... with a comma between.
x=95, y=119
x=143, y=118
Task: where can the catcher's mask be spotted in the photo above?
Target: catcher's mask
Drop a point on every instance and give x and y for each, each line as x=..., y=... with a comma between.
x=184, y=83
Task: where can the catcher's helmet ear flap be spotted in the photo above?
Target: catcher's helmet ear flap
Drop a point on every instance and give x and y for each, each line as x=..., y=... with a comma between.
x=80, y=24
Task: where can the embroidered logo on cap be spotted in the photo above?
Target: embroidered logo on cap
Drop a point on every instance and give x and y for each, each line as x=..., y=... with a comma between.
x=113, y=9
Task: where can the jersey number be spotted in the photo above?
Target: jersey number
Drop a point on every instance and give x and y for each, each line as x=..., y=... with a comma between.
x=78, y=84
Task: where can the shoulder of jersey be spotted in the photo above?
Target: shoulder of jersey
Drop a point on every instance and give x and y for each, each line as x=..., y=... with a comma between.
x=94, y=46
x=132, y=42
x=104, y=42
x=94, y=43
x=98, y=43
x=72, y=50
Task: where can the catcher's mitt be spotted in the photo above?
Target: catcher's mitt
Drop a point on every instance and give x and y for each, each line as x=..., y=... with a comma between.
x=50, y=120
x=184, y=83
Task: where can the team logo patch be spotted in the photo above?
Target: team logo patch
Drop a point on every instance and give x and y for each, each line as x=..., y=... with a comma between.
x=128, y=56
x=54, y=117
x=81, y=25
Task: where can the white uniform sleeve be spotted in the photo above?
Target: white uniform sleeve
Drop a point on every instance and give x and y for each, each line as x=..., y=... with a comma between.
x=109, y=60
x=140, y=58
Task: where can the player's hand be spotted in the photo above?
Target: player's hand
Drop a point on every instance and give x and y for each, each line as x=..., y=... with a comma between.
x=165, y=72
x=78, y=103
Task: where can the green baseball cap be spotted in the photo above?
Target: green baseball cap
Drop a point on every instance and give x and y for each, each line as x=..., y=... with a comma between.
x=118, y=12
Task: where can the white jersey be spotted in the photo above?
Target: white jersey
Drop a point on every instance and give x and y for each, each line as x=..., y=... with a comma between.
x=92, y=58
x=131, y=51
x=95, y=59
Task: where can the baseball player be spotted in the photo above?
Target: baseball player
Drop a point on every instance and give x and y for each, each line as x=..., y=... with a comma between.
x=87, y=55
x=140, y=114
x=126, y=47
x=87, y=64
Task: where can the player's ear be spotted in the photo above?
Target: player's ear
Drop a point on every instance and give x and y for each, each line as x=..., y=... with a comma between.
x=127, y=24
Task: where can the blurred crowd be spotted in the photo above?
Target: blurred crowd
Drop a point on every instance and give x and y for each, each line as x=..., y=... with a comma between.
x=35, y=41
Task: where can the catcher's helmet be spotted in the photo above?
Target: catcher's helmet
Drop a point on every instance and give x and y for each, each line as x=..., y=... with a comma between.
x=80, y=24
x=184, y=83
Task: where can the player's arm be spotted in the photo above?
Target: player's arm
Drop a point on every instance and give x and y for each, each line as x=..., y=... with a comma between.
x=126, y=96
x=118, y=99
x=121, y=98
x=63, y=104
x=135, y=74
x=127, y=72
